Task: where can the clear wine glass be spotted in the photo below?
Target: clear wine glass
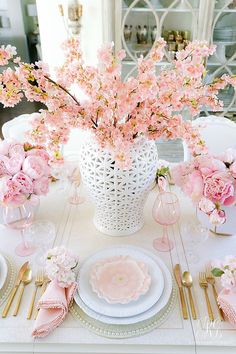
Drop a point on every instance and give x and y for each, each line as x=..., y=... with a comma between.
x=72, y=172
x=19, y=218
x=193, y=235
x=166, y=211
x=40, y=235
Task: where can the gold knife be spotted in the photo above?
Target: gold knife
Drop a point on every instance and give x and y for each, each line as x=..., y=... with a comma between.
x=178, y=277
x=14, y=290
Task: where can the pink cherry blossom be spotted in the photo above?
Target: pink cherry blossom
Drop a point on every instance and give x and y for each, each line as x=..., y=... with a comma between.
x=206, y=205
x=217, y=217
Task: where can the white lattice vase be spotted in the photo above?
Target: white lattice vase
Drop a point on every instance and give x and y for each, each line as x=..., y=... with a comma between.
x=119, y=195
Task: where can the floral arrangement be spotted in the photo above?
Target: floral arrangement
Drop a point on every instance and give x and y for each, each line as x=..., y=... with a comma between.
x=210, y=181
x=24, y=170
x=60, y=266
x=116, y=112
x=226, y=270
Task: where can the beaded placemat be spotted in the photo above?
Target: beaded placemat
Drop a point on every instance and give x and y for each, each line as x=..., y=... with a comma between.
x=125, y=331
x=10, y=280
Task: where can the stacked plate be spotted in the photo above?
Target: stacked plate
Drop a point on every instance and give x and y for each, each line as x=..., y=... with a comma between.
x=225, y=34
x=3, y=271
x=151, y=300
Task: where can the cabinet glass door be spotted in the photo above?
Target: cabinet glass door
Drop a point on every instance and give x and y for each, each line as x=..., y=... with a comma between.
x=223, y=35
x=143, y=21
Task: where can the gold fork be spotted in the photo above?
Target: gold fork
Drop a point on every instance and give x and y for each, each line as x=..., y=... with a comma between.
x=203, y=284
x=38, y=282
x=44, y=287
x=211, y=280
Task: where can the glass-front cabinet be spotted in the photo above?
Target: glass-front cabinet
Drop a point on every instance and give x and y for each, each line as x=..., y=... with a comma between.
x=139, y=22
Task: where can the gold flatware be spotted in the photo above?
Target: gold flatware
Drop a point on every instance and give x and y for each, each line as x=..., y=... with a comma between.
x=38, y=282
x=14, y=290
x=26, y=279
x=211, y=280
x=187, y=281
x=46, y=280
x=203, y=284
x=177, y=273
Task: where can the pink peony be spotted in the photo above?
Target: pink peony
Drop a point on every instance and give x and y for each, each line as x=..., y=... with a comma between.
x=41, y=186
x=10, y=191
x=217, y=217
x=4, y=147
x=194, y=186
x=16, y=149
x=207, y=165
x=14, y=163
x=233, y=169
x=35, y=167
x=25, y=183
x=219, y=188
x=39, y=152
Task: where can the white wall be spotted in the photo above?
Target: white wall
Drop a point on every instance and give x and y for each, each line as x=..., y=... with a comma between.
x=53, y=33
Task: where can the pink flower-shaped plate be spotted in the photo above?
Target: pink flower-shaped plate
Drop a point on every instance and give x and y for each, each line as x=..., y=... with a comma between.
x=120, y=279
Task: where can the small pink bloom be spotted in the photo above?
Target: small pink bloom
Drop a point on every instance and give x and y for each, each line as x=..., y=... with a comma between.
x=217, y=217
x=41, y=186
x=4, y=147
x=206, y=205
x=35, y=167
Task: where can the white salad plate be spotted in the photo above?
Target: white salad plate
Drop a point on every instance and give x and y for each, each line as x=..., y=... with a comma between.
x=100, y=305
x=3, y=270
x=153, y=310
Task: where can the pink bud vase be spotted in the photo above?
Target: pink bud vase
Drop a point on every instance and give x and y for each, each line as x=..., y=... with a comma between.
x=19, y=217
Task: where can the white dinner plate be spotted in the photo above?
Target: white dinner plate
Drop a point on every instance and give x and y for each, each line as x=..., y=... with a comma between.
x=3, y=270
x=100, y=305
x=157, y=307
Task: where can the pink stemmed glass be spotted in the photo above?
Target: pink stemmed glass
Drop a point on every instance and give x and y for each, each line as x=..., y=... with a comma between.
x=19, y=218
x=73, y=175
x=166, y=211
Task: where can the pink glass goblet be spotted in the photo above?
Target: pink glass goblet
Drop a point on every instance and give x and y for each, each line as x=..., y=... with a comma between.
x=19, y=218
x=166, y=212
x=72, y=172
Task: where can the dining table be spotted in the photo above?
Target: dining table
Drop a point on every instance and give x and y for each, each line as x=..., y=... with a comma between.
x=76, y=231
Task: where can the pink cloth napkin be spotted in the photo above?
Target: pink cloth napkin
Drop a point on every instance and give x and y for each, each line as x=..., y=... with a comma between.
x=227, y=301
x=53, y=305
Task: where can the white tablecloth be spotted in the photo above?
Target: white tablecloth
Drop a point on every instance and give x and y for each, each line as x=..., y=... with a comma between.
x=76, y=231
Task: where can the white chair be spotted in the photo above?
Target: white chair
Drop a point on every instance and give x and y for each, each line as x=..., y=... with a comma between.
x=219, y=133
x=17, y=127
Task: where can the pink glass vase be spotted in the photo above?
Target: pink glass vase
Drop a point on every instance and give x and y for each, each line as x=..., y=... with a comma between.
x=19, y=217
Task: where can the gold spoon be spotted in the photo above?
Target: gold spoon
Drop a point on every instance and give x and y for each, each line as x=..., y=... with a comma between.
x=187, y=282
x=26, y=279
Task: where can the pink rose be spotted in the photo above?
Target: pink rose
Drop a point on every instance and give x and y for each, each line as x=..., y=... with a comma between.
x=14, y=163
x=25, y=183
x=194, y=186
x=39, y=152
x=41, y=186
x=217, y=217
x=219, y=187
x=206, y=205
x=35, y=167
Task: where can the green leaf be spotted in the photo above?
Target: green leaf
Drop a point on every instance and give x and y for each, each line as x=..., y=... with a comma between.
x=217, y=272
